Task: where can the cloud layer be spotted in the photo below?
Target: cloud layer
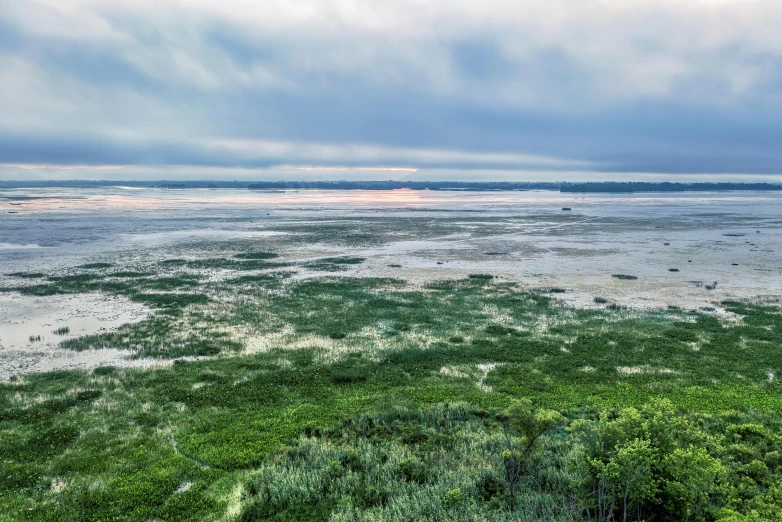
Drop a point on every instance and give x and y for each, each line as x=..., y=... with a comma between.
x=596, y=85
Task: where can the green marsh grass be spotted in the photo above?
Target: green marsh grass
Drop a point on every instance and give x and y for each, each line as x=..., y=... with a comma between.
x=365, y=380
x=257, y=255
x=90, y=266
x=333, y=264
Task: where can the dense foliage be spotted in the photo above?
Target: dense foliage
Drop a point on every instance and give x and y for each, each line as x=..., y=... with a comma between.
x=457, y=462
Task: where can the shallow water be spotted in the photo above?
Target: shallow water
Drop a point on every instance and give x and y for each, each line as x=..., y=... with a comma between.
x=734, y=238
x=29, y=339
x=533, y=237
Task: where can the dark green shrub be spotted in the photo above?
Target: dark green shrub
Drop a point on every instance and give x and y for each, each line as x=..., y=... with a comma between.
x=88, y=395
x=349, y=376
x=489, y=486
x=414, y=470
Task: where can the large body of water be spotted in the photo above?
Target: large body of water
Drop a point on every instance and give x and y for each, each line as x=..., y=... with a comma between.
x=48, y=228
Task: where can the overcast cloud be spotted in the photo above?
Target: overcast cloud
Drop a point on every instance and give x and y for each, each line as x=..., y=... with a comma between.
x=476, y=88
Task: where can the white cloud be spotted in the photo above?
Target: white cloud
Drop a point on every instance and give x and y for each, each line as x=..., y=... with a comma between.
x=235, y=75
x=627, y=48
x=358, y=154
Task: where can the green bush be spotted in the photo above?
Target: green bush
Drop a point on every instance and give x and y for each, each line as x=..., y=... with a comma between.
x=651, y=463
x=454, y=497
x=414, y=470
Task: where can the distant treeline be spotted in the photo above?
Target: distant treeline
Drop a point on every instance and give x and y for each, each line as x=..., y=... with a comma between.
x=594, y=187
x=630, y=187
x=414, y=185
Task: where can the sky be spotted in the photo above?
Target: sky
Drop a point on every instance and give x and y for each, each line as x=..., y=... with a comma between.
x=403, y=89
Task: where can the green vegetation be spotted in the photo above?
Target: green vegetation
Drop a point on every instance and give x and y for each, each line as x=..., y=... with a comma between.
x=170, y=333
x=456, y=461
x=173, y=262
x=343, y=398
x=256, y=255
x=333, y=264
x=129, y=274
x=95, y=265
x=221, y=263
x=268, y=280
x=625, y=277
x=109, y=283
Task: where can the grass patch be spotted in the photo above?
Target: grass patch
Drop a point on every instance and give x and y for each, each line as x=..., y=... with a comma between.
x=129, y=274
x=333, y=264
x=169, y=301
x=257, y=255
x=220, y=263
x=173, y=262
x=625, y=277
x=95, y=265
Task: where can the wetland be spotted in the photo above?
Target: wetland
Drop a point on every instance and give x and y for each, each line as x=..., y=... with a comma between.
x=389, y=355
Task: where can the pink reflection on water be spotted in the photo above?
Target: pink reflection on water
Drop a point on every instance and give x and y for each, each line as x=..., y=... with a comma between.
x=150, y=199
x=121, y=199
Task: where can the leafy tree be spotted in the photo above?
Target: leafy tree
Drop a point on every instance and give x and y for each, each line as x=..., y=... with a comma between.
x=523, y=426
x=647, y=464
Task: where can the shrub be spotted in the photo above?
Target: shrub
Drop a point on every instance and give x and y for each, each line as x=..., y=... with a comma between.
x=480, y=277
x=454, y=497
x=650, y=462
x=348, y=376
x=489, y=486
x=96, y=265
x=335, y=469
x=495, y=329
x=414, y=470
x=88, y=395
